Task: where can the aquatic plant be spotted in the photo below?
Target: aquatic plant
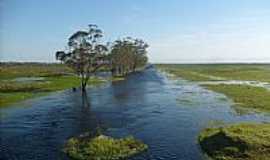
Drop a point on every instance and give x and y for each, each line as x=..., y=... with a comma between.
x=103, y=148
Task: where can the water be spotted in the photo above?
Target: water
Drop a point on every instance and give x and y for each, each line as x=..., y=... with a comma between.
x=147, y=105
x=28, y=79
x=238, y=82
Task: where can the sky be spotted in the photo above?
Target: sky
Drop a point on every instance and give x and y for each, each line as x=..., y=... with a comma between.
x=178, y=31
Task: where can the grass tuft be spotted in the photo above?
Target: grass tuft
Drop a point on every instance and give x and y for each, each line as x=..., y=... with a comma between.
x=103, y=148
x=244, y=141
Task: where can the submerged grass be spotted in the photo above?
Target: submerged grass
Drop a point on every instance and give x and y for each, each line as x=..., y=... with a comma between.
x=55, y=77
x=244, y=141
x=103, y=148
x=245, y=96
x=11, y=92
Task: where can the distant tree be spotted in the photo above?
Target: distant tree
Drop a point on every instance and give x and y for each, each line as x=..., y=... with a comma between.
x=86, y=54
x=127, y=55
x=140, y=58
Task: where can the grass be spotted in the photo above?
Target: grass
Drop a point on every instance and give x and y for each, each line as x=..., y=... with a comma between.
x=103, y=148
x=14, y=70
x=117, y=78
x=243, y=95
x=205, y=72
x=244, y=141
x=55, y=77
x=257, y=98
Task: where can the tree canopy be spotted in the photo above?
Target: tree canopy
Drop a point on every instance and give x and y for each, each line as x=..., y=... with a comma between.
x=86, y=54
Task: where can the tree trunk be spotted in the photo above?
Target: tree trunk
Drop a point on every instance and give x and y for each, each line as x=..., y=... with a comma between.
x=83, y=84
x=83, y=87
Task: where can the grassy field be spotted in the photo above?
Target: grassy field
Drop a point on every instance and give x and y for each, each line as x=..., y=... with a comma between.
x=204, y=72
x=244, y=141
x=53, y=77
x=257, y=98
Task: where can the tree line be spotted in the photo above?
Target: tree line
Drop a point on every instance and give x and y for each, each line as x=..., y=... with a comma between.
x=86, y=54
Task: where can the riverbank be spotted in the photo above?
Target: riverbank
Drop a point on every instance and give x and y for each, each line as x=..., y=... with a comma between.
x=23, y=81
x=244, y=141
x=248, y=95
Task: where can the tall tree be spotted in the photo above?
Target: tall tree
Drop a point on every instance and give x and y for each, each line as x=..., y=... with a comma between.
x=85, y=54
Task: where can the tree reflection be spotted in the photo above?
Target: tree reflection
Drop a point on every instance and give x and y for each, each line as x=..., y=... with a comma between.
x=85, y=100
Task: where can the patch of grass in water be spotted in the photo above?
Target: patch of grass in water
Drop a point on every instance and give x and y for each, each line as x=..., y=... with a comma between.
x=10, y=98
x=117, y=78
x=103, y=148
x=245, y=96
x=244, y=141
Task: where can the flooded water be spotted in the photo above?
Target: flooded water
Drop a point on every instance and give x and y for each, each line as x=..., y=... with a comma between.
x=238, y=82
x=165, y=114
x=28, y=79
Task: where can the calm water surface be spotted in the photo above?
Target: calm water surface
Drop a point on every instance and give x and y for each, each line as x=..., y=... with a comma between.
x=165, y=114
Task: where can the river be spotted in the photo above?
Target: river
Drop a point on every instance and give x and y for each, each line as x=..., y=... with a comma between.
x=165, y=114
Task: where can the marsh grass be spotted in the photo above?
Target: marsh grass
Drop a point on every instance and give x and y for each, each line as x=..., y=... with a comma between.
x=103, y=148
x=246, y=96
x=244, y=141
x=54, y=77
x=208, y=72
x=249, y=97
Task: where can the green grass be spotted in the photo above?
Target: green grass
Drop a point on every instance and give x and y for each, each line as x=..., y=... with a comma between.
x=56, y=77
x=103, y=148
x=14, y=70
x=117, y=78
x=12, y=92
x=9, y=98
x=203, y=72
x=244, y=141
x=257, y=98
x=245, y=96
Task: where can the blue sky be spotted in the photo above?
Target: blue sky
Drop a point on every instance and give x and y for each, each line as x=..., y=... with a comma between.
x=178, y=31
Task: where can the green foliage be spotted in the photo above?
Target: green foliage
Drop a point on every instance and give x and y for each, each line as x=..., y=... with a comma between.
x=86, y=53
x=103, y=148
x=244, y=141
x=245, y=96
x=127, y=55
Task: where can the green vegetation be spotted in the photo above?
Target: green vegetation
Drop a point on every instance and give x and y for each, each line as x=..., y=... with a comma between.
x=117, y=78
x=86, y=54
x=103, y=148
x=205, y=72
x=245, y=141
x=245, y=96
x=55, y=77
x=127, y=55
